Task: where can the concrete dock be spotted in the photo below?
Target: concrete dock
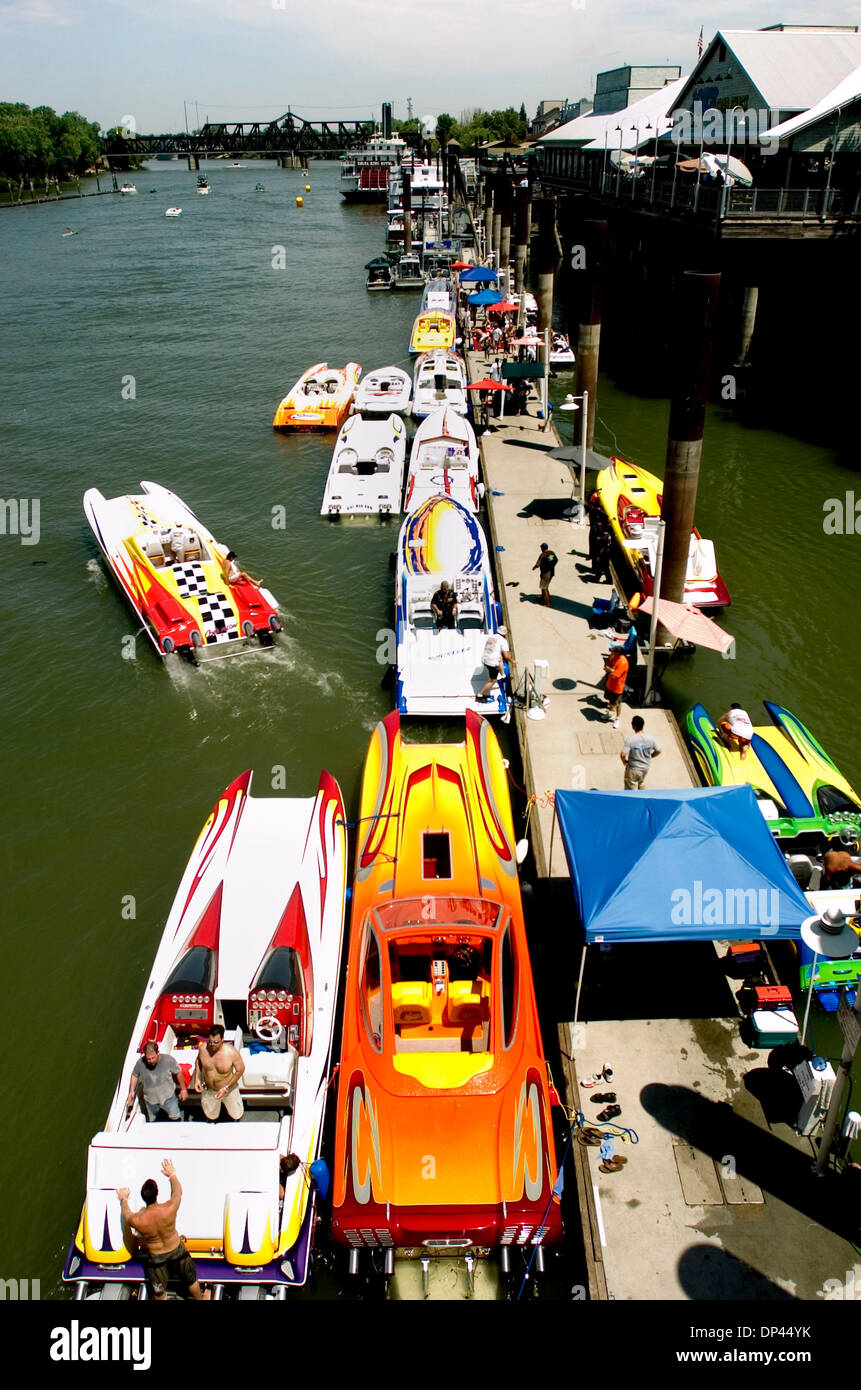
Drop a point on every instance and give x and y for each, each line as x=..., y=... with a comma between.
x=714, y=1202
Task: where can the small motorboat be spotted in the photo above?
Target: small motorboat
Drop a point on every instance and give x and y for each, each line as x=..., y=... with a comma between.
x=128, y=188
x=379, y=274
x=444, y=459
x=439, y=293
x=632, y=499
x=444, y=1136
x=173, y=212
x=258, y=188
x=561, y=354
x=202, y=184
x=439, y=380
x=366, y=476
x=442, y=672
x=382, y=392
x=174, y=575
x=433, y=329
x=69, y=232
x=801, y=792
x=252, y=943
x=320, y=400
x=407, y=273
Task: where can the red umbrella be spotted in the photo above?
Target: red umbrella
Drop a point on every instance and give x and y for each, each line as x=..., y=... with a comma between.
x=461, y=265
x=504, y=307
x=488, y=385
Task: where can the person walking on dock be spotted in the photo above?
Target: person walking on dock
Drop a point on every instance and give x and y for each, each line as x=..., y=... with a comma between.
x=616, y=666
x=546, y=565
x=637, y=754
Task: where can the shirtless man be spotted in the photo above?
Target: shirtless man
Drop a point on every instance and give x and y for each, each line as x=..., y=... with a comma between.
x=166, y=1256
x=233, y=574
x=220, y=1067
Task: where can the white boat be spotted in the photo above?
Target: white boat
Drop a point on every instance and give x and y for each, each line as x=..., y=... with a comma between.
x=444, y=459
x=386, y=390
x=439, y=379
x=439, y=293
x=408, y=274
x=253, y=943
x=561, y=353
x=173, y=212
x=202, y=184
x=441, y=671
x=128, y=188
x=366, y=476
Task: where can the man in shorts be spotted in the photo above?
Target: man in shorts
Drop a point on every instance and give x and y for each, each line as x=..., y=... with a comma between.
x=546, y=566
x=616, y=666
x=166, y=1257
x=158, y=1077
x=216, y=1076
x=495, y=651
x=639, y=750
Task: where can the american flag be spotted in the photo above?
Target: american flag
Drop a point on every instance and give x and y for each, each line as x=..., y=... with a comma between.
x=700, y=44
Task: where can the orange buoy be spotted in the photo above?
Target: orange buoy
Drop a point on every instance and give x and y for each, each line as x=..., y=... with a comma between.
x=300, y=202
x=307, y=188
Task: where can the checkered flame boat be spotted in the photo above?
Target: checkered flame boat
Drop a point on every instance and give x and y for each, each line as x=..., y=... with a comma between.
x=444, y=1141
x=253, y=943
x=174, y=574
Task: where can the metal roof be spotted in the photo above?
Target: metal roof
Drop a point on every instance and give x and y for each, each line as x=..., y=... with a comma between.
x=600, y=131
x=843, y=94
x=791, y=69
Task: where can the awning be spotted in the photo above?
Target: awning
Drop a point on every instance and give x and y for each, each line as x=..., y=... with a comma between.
x=479, y=275
x=688, y=624
x=520, y=371
x=689, y=865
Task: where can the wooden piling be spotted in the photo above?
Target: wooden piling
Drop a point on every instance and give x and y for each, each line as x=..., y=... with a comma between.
x=497, y=217
x=407, y=200
x=748, y=323
x=506, y=215
x=583, y=319
x=521, y=237
x=544, y=265
x=488, y=215
x=698, y=303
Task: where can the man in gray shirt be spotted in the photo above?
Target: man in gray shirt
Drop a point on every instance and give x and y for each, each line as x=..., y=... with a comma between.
x=158, y=1077
x=637, y=754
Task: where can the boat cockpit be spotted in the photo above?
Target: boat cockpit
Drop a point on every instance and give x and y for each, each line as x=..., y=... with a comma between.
x=167, y=546
x=469, y=589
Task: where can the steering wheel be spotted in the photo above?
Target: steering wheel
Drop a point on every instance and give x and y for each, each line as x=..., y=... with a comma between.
x=268, y=1029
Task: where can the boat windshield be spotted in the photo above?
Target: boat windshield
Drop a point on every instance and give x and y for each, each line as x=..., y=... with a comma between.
x=442, y=914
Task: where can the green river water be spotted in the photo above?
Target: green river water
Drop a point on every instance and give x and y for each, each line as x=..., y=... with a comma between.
x=111, y=765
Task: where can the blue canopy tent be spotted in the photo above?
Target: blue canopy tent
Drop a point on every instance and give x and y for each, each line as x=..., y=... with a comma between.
x=696, y=865
x=486, y=297
x=479, y=275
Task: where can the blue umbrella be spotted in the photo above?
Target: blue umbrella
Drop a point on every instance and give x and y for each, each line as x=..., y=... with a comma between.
x=486, y=297
x=479, y=275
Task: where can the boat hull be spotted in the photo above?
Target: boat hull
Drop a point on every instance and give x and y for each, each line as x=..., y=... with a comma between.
x=320, y=400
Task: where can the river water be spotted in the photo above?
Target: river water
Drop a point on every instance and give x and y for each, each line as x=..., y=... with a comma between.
x=111, y=765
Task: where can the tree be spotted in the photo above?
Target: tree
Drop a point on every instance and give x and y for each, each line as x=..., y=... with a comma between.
x=524, y=119
x=444, y=127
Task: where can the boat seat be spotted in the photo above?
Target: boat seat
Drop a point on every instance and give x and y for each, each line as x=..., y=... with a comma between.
x=411, y=1002
x=801, y=866
x=467, y=1001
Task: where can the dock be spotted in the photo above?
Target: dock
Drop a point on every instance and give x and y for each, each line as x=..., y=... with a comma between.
x=712, y=1202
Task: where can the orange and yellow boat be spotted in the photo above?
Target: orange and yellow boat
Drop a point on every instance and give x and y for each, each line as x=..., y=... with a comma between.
x=433, y=329
x=444, y=1140
x=320, y=400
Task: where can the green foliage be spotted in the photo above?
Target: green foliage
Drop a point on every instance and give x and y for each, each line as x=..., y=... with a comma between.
x=508, y=125
x=38, y=142
x=444, y=126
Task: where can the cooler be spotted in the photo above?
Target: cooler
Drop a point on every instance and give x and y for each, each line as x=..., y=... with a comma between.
x=774, y=1026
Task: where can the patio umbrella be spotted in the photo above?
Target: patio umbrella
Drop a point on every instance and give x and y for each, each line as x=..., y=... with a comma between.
x=488, y=384
x=461, y=265
x=480, y=274
x=505, y=307
x=527, y=342
x=486, y=297
x=688, y=624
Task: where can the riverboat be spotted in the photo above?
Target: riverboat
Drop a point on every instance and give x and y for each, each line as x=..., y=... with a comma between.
x=172, y=572
x=253, y=943
x=320, y=400
x=444, y=1140
x=365, y=172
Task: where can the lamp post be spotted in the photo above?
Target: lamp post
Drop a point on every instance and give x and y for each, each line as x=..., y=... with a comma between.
x=570, y=404
x=699, y=168
x=636, y=161
x=654, y=161
x=619, y=170
x=653, y=626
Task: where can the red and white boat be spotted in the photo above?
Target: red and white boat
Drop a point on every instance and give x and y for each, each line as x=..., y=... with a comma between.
x=253, y=942
x=444, y=459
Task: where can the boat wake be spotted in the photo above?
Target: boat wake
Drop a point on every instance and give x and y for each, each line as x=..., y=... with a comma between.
x=96, y=575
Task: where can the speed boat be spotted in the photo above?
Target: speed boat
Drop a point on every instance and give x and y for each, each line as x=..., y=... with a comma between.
x=379, y=274
x=444, y=459
x=173, y=212
x=382, y=391
x=320, y=400
x=366, y=476
x=439, y=293
x=172, y=571
x=561, y=354
x=253, y=943
x=801, y=792
x=433, y=329
x=128, y=188
x=441, y=672
x=202, y=183
x=444, y=1138
x=439, y=380
x=407, y=273
x=632, y=498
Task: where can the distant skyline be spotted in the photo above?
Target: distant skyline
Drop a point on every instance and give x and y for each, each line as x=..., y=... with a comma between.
x=251, y=59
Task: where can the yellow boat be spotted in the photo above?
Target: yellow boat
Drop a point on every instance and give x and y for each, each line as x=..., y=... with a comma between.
x=434, y=329
x=320, y=400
